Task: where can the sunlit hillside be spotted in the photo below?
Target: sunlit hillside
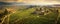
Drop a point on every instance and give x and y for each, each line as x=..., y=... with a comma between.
x=30, y=15
x=29, y=11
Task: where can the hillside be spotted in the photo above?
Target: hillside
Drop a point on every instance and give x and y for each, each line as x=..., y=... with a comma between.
x=31, y=15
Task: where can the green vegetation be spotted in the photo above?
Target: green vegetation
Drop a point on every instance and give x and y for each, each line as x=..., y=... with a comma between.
x=27, y=16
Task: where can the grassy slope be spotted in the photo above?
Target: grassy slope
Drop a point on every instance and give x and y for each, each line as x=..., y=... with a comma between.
x=25, y=17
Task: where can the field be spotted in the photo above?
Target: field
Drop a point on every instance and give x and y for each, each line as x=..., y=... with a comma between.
x=32, y=15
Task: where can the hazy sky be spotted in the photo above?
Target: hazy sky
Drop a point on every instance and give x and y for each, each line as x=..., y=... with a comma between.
x=37, y=2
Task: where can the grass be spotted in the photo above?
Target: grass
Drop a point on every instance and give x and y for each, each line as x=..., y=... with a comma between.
x=25, y=17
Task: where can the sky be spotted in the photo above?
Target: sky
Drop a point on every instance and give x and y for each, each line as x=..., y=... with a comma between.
x=37, y=2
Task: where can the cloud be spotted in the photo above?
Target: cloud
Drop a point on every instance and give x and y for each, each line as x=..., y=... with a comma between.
x=37, y=2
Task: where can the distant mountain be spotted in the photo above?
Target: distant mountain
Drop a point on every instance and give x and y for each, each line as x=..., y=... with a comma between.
x=4, y=3
x=56, y=5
